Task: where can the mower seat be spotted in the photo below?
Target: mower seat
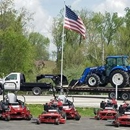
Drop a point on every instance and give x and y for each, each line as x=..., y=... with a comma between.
x=12, y=99
x=62, y=98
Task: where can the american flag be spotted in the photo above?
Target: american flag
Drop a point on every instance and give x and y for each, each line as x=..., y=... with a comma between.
x=74, y=22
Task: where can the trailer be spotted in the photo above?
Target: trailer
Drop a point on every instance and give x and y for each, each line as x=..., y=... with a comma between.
x=122, y=93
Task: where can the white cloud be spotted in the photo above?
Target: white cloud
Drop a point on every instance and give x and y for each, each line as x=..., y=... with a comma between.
x=76, y=3
x=112, y=6
x=42, y=21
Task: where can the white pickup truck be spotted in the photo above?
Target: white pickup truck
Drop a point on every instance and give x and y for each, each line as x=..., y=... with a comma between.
x=16, y=81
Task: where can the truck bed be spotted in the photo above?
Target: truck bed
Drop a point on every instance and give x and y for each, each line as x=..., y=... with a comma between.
x=29, y=86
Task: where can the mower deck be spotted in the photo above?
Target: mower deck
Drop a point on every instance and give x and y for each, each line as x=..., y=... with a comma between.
x=123, y=120
x=52, y=116
x=105, y=114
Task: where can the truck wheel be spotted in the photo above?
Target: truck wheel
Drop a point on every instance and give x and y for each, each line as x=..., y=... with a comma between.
x=120, y=78
x=1, y=91
x=125, y=96
x=93, y=80
x=36, y=91
x=111, y=95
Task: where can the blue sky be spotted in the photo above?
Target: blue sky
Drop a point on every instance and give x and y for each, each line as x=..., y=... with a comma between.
x=45, y=10
x=54, y=6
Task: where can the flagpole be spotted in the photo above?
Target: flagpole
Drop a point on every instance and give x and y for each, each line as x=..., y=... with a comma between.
x=62, y=51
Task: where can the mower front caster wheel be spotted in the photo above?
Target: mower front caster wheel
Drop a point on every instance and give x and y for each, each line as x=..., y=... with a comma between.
x=38, y=121
x=29, y=117
x=57, y=121
x=7, y=118
x=77, y=117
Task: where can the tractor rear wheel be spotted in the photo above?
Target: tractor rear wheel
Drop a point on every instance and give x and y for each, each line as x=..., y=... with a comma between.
x=120, y=78
x=93, y=80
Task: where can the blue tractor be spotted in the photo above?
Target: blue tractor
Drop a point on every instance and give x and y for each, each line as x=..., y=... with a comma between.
x=116, y=71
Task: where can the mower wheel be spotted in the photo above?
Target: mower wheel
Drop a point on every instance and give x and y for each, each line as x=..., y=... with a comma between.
x=95, y=111
x=38, y=121
x=57, y=121
x=117, y=124
x=77, y=117
x=29, y=117
x=98, y=117
x=63, y=114
x=7, y=118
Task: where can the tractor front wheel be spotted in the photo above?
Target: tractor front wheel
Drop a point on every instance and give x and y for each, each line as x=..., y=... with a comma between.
x=93, y=80
x=119, y=78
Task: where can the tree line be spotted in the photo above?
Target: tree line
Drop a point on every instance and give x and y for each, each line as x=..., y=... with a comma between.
x=23, y=51
x=107, y=34
x=19, y=49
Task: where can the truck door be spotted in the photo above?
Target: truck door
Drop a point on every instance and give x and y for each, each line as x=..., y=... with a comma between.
x=11, y=82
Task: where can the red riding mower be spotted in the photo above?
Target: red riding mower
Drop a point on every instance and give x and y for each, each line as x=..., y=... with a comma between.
x=106, y=111
x=69, y=108
x=12, y=108
x=123, y=118
x=53, y=113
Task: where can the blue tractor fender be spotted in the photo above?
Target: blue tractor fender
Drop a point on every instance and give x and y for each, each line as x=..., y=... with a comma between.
x=123, y=68
x=84, y=75
x=90, y=70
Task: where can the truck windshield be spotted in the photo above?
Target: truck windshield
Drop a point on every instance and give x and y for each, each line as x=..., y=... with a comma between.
x=11, y=77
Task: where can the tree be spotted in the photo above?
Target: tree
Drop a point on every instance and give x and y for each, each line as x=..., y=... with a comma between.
x=40, y=44
x=105, y=35
x=16, y=52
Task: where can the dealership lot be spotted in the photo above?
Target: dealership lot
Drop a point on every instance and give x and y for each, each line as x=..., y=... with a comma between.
x=85, y=123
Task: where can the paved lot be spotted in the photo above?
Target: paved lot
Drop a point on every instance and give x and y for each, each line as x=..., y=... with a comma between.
x=84, y=124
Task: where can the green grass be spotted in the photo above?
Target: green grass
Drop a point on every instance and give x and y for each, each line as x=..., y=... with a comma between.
x=37, y=109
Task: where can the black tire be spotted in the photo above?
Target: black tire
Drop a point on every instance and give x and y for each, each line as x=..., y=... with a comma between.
x=29, y=117
x=36, y=91
x=7, y=118
x=77, y=117
x=57, y=121
x=117, y=124
x=111, y=95
x=125, y=96
x=120, y=78
x=38, y=121
x=98, y=117
x=95, y=111
x=93, y=80
x=63, y=114
x=1, y=91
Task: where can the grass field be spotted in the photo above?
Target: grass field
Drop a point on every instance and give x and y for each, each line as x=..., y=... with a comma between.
x=37, y=109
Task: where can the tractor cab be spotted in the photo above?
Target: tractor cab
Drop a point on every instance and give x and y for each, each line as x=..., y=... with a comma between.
x=113, y=61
